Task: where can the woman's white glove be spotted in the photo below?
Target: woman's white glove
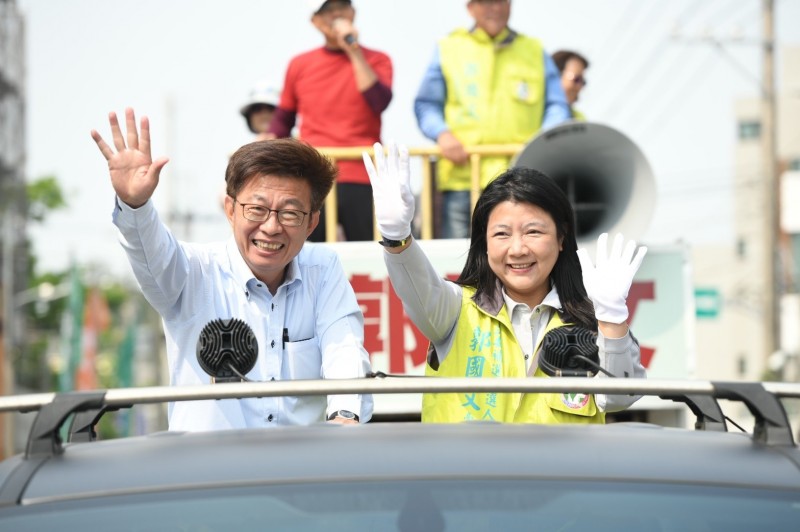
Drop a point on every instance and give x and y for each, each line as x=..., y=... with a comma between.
x=608, y=281
x=394, y=202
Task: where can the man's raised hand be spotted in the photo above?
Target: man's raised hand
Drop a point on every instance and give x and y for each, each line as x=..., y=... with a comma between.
x=134, y=174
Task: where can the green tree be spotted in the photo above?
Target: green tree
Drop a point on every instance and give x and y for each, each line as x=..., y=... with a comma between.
x=44, y=196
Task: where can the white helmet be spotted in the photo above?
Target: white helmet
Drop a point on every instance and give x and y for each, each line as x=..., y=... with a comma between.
x=264, y=93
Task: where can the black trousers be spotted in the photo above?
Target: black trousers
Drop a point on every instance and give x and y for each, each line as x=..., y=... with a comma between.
x=354, y=203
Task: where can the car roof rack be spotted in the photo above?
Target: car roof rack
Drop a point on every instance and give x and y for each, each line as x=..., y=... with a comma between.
x=772, y=427
x=763, y=400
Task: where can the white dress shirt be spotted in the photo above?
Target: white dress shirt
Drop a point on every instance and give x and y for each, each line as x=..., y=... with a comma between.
x=193, y=284
x=529, y=324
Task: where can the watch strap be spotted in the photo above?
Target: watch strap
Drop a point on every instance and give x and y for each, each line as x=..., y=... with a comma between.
x=389, y=243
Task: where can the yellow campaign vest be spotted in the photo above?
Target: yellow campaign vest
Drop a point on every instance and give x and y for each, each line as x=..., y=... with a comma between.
x=485, y=346
x=495, y=95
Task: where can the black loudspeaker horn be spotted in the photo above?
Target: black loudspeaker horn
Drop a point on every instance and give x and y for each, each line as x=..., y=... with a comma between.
x=604, y=174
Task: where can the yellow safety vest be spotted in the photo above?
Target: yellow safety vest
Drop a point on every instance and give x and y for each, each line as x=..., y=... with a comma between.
x=495, y=95
x=485, y=346
x=577, y=115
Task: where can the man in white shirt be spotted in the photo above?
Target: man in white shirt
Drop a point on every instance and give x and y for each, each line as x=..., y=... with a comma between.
x=295, y=297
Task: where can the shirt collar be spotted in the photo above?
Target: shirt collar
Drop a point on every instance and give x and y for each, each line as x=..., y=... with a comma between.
x=550, y=300
x=501, y=40
x=244, y=275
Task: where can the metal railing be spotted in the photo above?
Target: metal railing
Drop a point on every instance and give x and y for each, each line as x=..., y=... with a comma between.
x=428, y=154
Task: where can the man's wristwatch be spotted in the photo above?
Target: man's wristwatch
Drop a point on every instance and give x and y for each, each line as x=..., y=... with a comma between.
x=344, y=414
x=394, y=243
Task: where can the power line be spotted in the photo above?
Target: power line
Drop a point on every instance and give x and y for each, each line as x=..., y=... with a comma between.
x=671, y=104
x=642, y=69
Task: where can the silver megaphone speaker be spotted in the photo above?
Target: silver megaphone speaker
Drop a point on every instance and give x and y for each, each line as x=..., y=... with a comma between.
x=604, y=174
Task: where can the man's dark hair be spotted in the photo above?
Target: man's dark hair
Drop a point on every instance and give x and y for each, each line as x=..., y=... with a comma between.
x=281, y=158
x=525, y=185
x=561, y=57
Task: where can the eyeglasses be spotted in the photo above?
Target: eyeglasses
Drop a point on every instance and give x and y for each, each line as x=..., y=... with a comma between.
x=577, y=79
x=258, y=213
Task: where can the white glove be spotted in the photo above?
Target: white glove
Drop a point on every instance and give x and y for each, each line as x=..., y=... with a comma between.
x=394, y=202
x=607, y=283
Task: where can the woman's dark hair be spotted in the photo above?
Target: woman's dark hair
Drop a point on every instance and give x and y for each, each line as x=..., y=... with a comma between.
x=561, y=57
x=281, y=158
x=525, y=185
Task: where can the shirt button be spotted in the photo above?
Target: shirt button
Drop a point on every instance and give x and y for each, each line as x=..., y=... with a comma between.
x=259, y=285
x=270, y=417
x=272, y=344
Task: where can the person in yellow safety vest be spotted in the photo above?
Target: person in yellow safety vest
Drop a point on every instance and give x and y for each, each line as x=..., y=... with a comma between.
x=523, y=276
x=572, y=66
x=485, y=85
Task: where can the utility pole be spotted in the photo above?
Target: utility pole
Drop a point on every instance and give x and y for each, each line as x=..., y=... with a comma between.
x=768, y=252
x=772, y=274
x=12, y=197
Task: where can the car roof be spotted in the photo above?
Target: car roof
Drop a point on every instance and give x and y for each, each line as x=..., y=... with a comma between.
x=406, y=451
x=324, y=452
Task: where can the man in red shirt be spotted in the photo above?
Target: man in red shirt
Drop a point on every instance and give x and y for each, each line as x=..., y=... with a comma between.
x=338, y=92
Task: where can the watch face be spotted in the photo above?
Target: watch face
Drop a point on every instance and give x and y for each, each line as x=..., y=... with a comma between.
x=346, y=414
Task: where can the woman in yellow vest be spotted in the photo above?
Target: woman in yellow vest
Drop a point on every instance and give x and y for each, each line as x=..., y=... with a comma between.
x=523, y=277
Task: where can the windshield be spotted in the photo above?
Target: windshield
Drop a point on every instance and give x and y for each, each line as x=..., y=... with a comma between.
x=433, y=506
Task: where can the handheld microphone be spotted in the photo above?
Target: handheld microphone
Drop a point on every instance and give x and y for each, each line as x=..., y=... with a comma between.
x=570, y=351
x=349, y=39
x=227, y=349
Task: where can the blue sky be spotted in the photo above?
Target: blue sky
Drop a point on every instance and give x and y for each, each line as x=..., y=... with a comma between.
x=189, y=64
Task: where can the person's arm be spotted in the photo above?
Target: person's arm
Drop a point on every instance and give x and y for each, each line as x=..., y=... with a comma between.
x=430, y=301
x=281, y=124
x=364, y=75
x=430, y=99
x=379, y=94
x=378, y=97
x=158, y=262
x=375, y=88
x=340, y=329
x=607, y=282
x=620, y=356
x=556, y=109
x=285, y=115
